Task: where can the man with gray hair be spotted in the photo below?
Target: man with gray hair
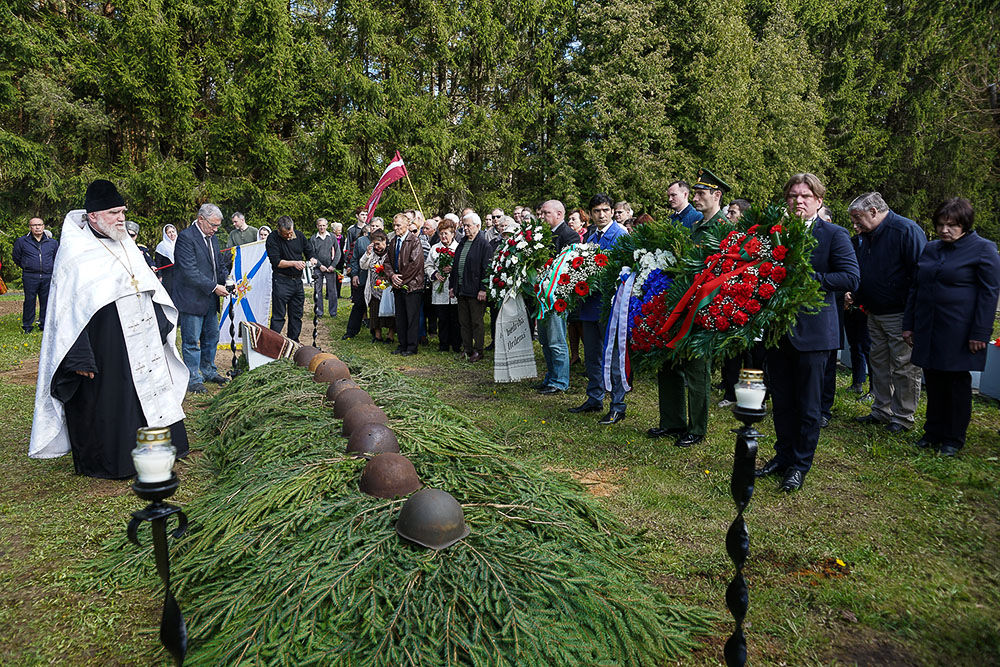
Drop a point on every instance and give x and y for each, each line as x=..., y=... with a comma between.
x=327, y=254
x=200, y=280
x=552, y=326
x=888, y=248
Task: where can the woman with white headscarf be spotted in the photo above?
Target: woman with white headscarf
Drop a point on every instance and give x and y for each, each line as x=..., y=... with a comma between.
x=165, y=258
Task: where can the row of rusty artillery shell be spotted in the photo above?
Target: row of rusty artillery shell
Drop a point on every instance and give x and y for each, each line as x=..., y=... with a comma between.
x=430, y=517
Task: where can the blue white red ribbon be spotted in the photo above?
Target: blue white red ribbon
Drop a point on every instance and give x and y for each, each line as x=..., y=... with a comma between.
x=616, y=335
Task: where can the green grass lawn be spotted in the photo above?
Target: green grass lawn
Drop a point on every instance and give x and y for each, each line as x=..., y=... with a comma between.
x=889, y=555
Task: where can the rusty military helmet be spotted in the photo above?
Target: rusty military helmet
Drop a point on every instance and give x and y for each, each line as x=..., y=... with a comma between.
x=363, y=415
x=389, y=475
x=350, y=399
x=372, y=439
x=432, y=518
x=338, y=386
x=330, y=370
x=318, y=359
x=304, y=355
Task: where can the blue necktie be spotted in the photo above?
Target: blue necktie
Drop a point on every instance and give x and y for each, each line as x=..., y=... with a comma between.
x=395, y=263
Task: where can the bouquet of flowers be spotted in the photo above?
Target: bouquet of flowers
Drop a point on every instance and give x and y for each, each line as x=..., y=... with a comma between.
x=518, y=259
x=745, y=282
x=445, y=257
x=563, y=282
x=380, y=282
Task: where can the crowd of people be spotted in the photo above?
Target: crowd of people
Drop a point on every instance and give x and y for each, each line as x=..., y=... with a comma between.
x=910, y=309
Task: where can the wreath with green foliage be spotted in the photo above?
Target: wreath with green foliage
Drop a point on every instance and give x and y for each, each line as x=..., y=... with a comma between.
x=741, y=283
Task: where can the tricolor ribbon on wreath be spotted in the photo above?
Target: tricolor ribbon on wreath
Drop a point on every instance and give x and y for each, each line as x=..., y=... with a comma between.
x=616, y=335
x=546, y=296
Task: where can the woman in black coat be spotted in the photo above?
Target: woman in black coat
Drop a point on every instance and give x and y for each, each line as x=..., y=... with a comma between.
x=949, y=319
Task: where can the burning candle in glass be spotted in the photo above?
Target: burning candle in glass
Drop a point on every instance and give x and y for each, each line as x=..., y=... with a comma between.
x=153, y=455
x=750, y=390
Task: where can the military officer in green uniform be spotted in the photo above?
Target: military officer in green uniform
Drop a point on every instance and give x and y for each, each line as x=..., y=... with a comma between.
x=680, y=415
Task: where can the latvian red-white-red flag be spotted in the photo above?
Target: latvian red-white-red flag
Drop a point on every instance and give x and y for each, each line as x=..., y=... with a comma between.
x=395, y=171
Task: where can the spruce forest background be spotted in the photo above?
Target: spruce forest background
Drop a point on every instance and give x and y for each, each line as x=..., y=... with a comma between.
x=275, y=107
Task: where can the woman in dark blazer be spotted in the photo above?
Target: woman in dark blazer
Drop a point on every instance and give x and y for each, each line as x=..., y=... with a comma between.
x=948, y=320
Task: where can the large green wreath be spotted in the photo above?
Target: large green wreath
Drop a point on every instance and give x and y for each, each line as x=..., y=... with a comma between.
x=744, y=282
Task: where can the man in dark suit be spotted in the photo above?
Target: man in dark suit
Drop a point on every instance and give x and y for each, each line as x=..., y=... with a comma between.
x=405, y=270
x=796, y=366
x=200, y=280
x=606, y=233
x=552, y=327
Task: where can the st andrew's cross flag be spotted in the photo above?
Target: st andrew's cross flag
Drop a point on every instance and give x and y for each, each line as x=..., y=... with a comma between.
x=395, y=171
x=252, y=274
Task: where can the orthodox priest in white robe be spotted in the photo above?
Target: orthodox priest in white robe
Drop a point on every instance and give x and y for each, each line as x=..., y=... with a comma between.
x=109, y=363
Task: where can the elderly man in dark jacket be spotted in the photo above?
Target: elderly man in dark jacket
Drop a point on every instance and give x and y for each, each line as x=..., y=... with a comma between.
x=468, y=284
x=405, y=270
x=35, y=253
x=888, y=249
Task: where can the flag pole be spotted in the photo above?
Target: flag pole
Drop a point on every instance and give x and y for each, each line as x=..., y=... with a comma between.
x=419, y=207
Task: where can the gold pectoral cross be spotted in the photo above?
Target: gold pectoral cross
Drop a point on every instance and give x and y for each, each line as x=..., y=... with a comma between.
x=135, y=284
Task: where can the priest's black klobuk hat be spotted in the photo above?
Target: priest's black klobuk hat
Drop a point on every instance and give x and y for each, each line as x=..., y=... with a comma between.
x=102, y=195
x=709, y=181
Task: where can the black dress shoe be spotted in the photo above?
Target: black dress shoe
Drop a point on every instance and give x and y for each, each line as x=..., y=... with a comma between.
x=397, y=351
x=197, y=388
x=895, y=428
x=657, y=432
x=824, y=422
x=924, y=443
x=792, y=481
x=407, y=353
x=868, y=419
x=540, y=385
x=587, y=407
x=346, y=337
x=218, y=379
x=551, y=390
x=689, y=439
x=947, y=450
x=772, y=467
x=613, y=417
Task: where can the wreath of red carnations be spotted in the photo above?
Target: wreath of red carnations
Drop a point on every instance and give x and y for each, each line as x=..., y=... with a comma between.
x=739, y=285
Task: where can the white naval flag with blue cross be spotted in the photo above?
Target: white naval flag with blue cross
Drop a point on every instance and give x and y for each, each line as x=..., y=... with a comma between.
x=252, y=303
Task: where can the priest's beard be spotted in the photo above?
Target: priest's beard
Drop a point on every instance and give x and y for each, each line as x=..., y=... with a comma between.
x=110, y=228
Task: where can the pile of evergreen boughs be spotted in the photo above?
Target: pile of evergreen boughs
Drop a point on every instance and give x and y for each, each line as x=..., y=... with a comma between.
x=288, y=563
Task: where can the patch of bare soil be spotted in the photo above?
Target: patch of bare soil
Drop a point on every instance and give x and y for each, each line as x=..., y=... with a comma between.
x=858, y=645
x=8, y=307
x=24, y=373
x=600, y=483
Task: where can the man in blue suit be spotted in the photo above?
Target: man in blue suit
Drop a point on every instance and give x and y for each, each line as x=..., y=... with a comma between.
x=796, y=366
x=200, y=281
x=606, y=233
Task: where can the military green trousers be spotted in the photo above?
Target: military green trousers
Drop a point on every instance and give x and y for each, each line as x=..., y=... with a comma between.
x=676, y=412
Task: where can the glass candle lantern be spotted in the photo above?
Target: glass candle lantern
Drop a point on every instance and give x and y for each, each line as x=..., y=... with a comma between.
x=750, y=390
x=153, y=455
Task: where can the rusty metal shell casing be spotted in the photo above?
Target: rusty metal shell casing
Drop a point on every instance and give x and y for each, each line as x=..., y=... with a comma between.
x=304, y=355
x=362, y=415
x=432, y=518
x=337, y=387
x=330, y=370
x=372, y=439
x=389, y=475
x=350, y=399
